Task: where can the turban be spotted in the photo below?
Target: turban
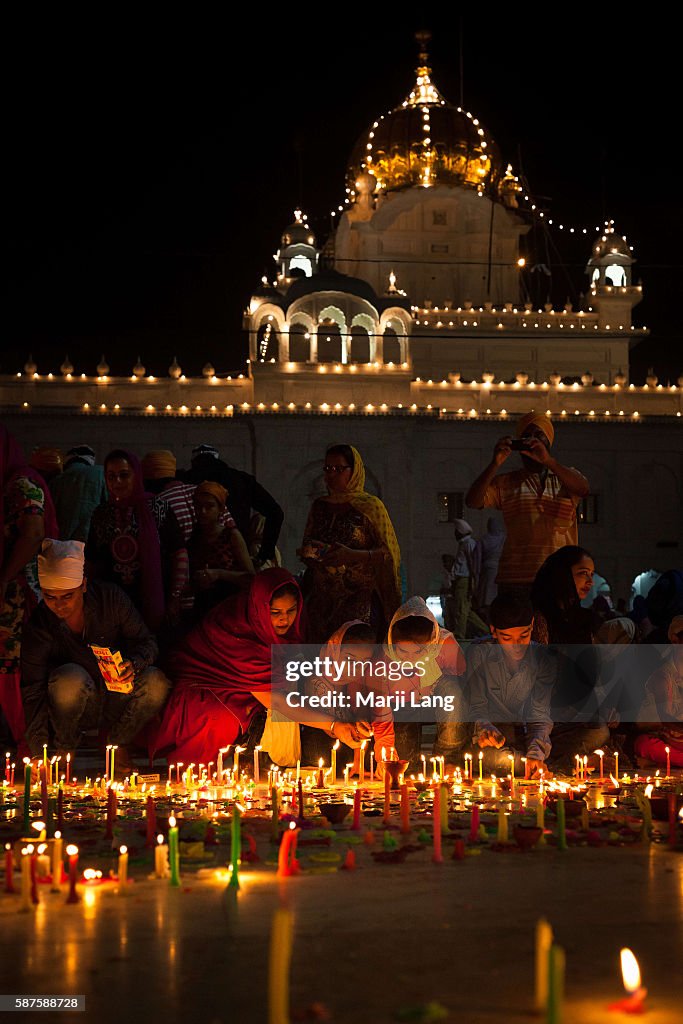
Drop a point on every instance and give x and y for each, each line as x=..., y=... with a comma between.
x=46, y=460
x=158, y=465
x=60, y=564
x=81, y=451
x=215, y=490
x=536, y=419
x=204, y=449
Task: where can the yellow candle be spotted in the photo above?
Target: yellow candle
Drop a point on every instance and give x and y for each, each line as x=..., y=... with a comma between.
x=26, y=879
x=481, y=765
x=502, y=826
x=278, y=967
x=333, y=774
x=544, y=940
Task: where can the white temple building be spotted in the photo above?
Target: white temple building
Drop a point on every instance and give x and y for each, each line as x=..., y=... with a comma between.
x=410, y=328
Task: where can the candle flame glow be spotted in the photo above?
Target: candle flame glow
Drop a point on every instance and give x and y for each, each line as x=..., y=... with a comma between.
x=171, y=822
x=72, y=850
x=630, y=971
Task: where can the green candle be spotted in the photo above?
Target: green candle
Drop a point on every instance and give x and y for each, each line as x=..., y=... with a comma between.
x=236, y=847
x=173, y=851
x=27, y=797
x=561, y=831
x=555, y=984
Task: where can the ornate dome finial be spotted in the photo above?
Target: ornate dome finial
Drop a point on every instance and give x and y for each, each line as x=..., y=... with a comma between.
x=423, y=37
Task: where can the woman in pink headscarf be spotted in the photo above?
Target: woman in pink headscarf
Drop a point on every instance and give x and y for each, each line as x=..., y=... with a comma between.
x=135, y=541
x=27, y=515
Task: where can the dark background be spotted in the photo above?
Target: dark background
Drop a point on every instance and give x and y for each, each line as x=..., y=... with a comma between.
x=150, y=166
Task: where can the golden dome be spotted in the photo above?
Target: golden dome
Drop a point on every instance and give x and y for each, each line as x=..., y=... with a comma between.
x=427, y=141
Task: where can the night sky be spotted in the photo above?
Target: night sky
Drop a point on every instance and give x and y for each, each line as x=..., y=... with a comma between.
x=151, y=166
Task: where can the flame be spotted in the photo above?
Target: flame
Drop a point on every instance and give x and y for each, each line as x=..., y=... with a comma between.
x=600, y=753
x=648, y=791
x=630, y=971
x=615, y=782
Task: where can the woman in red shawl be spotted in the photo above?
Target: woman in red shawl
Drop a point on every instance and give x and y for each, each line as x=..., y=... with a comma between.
x=27, y=515
x=222, y=670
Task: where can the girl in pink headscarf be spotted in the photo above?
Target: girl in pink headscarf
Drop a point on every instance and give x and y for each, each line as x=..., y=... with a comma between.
x=27, y=515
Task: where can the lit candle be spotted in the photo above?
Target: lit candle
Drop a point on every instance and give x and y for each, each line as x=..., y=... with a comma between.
x=257, y=776
x=544, y=941
x=278, y=966
x=556, y=961
x=123, y=871
x=333, y=774
x=668, y=762
x=361, y=763
x=173, y=851
x=34, y=873
x=356, y=811
x=424, y=763
x=616, y=765
x=561, y=829
x=111, y=813
x=512, y=775
x=235, y=846
x=287, y=863
x=26, y=903
x=43, y=790
x=298, y=770
x=540, y=813
x=236, y=761
x=601, y=755
x=27, y=796
x=72, y=854
x=45, y=754
x=436, y=826
x=630, y=972
x=107, y=752
x=481, y=765
x=219, y=764
x=405, y=809
x=372, y=766
x=321, y=775
x=161, y=858
x=300, y=788
x=56, y=862
x=9, y=868
x=347, y=771
x=443, y=807
x=525, y=762
x=68, y=769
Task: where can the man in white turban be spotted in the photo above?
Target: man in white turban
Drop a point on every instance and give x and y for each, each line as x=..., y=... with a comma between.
x=68, y=680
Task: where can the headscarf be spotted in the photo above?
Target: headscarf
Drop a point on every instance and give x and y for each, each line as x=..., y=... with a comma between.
x=418, y=606
x=159, y=465
x=619, y=630
x=60, y=564
x=375, y=510
x=12, y=466
x=46, y=460
x=462, y=528
x=214, y=490
x=537, y=419
x=82, y=452
x=229, y=652
x=149, y=545
x=333, y=650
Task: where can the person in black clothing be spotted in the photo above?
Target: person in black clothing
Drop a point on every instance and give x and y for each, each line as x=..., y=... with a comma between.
x=244, y=494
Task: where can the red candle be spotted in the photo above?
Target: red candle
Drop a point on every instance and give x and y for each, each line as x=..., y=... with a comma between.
x=9, y=868
x=72, y=852
x=387, y=797
x=474, y=824
x=349, y=860
x=321, y=775
x=459, y=849
x=671, y=797
x=287, y=863
x=151, y=818
x=405, y=809
x=436, y=826
x=356, y=811
x=634, y=1001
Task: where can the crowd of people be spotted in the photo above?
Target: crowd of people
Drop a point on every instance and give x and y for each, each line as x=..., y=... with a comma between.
x=147, y=606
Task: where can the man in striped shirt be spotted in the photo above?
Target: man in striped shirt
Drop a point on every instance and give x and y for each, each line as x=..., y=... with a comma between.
x=538, y=502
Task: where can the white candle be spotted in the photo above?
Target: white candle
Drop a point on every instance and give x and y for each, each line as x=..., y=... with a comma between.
x=26, y=878
x=42, y=862
x=361, y=763
x=257, y=777
x=298, y=771
x=333, y=774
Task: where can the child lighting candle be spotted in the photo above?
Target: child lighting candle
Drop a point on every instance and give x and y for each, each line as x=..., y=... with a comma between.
x=173, y=852
x=72, y=854
x=630, y=971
